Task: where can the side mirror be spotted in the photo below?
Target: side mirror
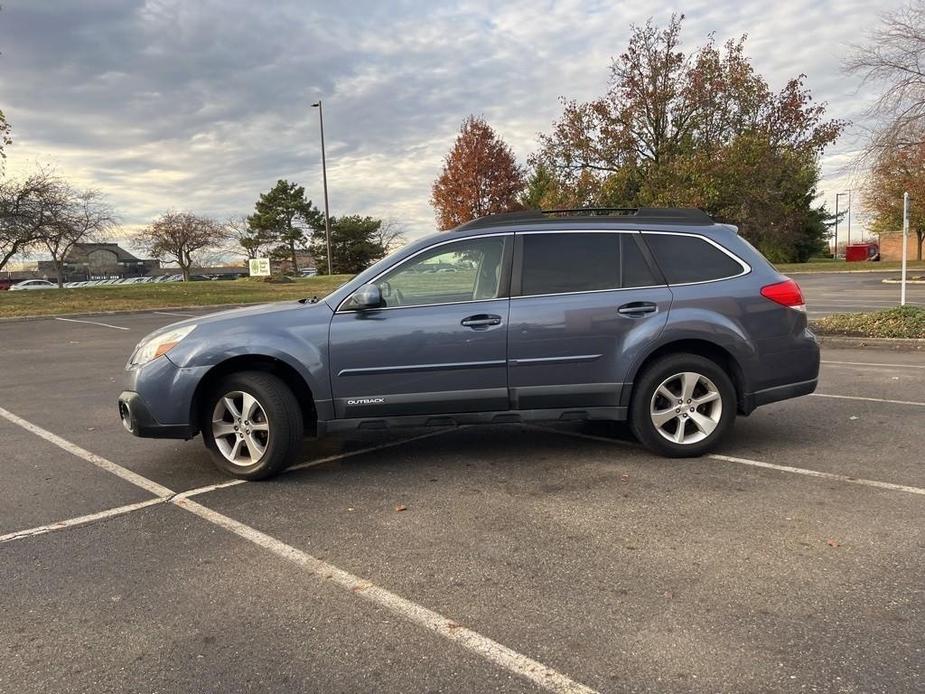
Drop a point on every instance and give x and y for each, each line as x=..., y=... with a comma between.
x=366, y=297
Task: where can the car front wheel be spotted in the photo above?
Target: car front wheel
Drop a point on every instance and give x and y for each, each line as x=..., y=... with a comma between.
x=252, y=425
x=682, y=406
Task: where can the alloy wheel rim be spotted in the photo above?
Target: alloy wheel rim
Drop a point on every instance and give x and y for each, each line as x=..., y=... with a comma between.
x=240, y=428
x=686, y=408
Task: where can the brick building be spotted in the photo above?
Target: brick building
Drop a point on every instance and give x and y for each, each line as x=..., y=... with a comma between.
x=891, y=246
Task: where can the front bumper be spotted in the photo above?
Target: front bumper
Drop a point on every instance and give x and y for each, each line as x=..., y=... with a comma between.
x=138, y=420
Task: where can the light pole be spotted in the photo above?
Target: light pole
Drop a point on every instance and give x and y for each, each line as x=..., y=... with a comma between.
x=835, y=248
x=324, y=178
x=902, y=289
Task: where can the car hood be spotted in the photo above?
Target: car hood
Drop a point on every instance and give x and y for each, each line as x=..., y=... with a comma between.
x=244, y=314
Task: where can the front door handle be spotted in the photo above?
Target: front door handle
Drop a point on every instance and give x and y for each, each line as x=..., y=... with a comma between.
x=637, y=308
x=481, y=320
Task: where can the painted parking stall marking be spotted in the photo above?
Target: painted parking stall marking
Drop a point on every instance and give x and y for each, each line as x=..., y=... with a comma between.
x=418, y=614
x=81, y=520
x=866, y=399
x=487, y=648
x=129, y=508
x=93, y=322
x=151, y=486
x=760, y=464
x=827, y=362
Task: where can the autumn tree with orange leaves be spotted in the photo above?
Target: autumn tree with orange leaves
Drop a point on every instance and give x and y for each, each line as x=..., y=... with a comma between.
x=694, y=128
x=480, y=176
x=897, y=170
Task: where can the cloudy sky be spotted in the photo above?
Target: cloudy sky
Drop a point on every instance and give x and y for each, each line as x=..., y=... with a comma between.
x=203, y=104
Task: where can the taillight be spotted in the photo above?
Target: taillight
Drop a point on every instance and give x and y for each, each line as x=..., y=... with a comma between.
x=786, y=293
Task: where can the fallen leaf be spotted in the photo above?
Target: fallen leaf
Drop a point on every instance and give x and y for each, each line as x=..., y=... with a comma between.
x=401, y=507
x=852, y=418
x=832, y=542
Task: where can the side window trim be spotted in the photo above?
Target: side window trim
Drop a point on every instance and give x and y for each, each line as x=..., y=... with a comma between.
x=517, y=272
x=746, y=268
x=503, y=286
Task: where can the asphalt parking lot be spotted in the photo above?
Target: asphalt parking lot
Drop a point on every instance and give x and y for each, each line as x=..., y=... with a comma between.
x=525, y=558
x=855, y=292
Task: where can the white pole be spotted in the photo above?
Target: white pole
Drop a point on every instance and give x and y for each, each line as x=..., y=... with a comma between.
x=902, y=291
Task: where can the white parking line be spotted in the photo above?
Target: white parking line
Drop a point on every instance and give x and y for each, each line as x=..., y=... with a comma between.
x=757, y=463
x=81, y=520
x=121, y=510
x=126, y=474
x=408, y=610
x=816, y=473
x=312, y=463
x=93, y=322
x=872, y=364
x=487, y=648
x=858, y=397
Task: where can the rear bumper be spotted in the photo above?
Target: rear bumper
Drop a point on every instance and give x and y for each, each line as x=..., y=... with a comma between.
x=138, y=420
x=778, y=393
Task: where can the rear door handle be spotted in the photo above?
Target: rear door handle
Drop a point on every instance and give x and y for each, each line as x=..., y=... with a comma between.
x=481, y=320
x=637, y=308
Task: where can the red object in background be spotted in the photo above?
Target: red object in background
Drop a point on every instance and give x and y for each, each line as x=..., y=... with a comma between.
x=858, y=252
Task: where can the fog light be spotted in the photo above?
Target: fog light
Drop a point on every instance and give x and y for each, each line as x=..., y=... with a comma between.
x=127, y=421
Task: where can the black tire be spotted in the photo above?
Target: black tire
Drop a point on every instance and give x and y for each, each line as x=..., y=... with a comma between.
x=644, y=390
x=282, y=416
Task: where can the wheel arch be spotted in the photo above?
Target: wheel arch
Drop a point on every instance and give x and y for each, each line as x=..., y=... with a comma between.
x=264, y=363
x=704, y=348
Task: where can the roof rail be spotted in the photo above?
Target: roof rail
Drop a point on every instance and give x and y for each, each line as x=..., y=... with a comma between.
x=674, y=215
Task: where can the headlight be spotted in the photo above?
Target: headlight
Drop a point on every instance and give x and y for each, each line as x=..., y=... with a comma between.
x=154, y=347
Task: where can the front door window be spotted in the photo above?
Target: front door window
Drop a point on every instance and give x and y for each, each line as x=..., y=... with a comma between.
x=469, y=270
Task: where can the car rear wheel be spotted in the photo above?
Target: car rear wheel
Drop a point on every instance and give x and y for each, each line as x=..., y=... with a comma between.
x=252, y=425
x=682, y=406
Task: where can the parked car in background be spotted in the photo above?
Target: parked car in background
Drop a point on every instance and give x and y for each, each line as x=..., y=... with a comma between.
x=6, y=283
x=663, y=318
x=33, y=284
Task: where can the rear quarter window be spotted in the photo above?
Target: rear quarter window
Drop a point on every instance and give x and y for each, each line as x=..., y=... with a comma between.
x=684, y=259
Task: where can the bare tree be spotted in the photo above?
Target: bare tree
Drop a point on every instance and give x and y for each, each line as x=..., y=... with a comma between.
x=390, y=236
x=73, y=217
x=180, y=236
x=894, y=59
x=246, y=241
x=24, y=211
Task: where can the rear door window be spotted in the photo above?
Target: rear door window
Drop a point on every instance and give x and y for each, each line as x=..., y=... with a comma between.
x=686, y=259
x=566, y=262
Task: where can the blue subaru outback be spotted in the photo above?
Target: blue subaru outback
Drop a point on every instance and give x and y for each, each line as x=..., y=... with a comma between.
x=657, y=316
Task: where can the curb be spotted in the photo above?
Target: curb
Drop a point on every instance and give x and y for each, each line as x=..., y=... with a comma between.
x=889, y=280
x=896, y=344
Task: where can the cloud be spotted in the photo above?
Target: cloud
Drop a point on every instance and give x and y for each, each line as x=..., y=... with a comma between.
x=174, y=104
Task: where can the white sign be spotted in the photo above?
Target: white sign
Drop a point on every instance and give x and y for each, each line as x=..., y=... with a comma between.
x=259, y=267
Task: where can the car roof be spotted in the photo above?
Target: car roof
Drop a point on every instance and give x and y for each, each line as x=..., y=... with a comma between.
x=606, y=216
x=681, y=220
